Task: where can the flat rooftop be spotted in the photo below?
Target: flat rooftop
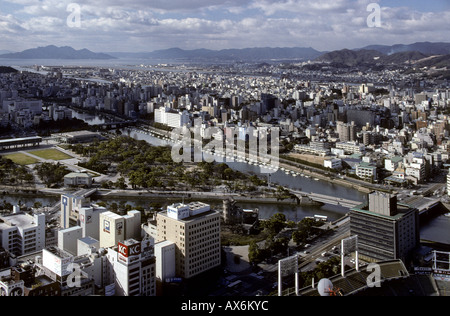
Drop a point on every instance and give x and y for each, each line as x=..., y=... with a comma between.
x=59, y=252
x=190, y=218
x=21, y=220
x=402, y=210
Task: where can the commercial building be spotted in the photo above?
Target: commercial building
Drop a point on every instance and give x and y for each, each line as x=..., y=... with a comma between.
x=131, y=268
x=77, y=210
x=115, y=228
x=21, y=233
x=195, y=230
x=68, y=271
x=385, y=228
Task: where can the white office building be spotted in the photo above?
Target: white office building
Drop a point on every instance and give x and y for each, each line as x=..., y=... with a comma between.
x=68, y=239
x=131, y=268
x=195, y=229
x=115, y=228
x=21, y=233
x=165, y=260
x=171, y=117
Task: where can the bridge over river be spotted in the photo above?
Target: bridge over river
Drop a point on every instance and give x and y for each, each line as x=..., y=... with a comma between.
x=326, y=199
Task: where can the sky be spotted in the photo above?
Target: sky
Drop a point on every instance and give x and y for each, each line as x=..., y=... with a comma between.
x=148, y=25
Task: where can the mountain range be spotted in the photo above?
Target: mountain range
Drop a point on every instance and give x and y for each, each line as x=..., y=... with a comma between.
x=427, y=52
x=366, y=57
x=246, y=54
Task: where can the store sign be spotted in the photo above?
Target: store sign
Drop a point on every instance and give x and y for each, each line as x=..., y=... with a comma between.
x=129, y=251
x=106, y=226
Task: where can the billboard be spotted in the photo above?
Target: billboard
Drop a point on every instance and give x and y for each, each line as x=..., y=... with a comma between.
x=288, y=265
x=349, y=245
x=129, y=250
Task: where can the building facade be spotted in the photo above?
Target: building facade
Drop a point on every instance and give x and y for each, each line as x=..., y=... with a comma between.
x=131, y=268
x=21, y=233
x=386, y=229
x=195, y=229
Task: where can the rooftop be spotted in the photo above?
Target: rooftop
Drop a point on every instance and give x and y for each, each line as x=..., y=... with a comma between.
x=355, y=281
x=402, y=210
x=21, y=220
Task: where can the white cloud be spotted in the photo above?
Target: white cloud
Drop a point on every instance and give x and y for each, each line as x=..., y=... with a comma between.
x=142, y=25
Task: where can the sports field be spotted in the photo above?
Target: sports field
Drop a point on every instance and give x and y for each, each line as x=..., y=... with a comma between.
x=21, y=159
x=50, y=154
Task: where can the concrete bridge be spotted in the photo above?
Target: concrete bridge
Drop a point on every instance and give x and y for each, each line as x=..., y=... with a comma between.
x=326, y=199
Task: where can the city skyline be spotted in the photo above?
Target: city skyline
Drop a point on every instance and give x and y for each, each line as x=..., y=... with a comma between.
x=139, y=26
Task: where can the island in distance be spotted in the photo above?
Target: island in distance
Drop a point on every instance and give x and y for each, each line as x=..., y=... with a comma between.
x=53, y=52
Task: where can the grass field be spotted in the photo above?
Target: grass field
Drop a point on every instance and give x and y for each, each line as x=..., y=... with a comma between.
x=21, y=159
x=52, y=154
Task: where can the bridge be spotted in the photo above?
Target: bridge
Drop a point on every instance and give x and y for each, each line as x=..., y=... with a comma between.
x=326, y=199
x=110, y=125
x=422, y=204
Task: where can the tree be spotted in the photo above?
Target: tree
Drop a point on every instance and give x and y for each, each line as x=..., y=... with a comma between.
x=275, y=224
x=254, y=253
x=121, y=183
x=51, y=174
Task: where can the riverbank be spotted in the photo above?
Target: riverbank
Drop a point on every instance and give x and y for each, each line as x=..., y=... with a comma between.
x=288, y=165
x=203, y=196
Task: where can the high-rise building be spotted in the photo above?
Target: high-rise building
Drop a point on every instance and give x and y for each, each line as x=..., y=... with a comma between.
x=385, y=228
x=347, y=132
x=131, y=268
x=195, y=229
x=78, y=211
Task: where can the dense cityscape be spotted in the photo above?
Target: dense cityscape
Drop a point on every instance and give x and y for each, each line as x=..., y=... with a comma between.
x=319, y=176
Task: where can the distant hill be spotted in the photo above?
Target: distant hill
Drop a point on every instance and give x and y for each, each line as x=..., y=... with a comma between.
x=403, y=57
x=370, y=58
x=53, y=52
x=435, y=61
x=7, y=70
x=246, y=54
x=426, y=48
x=350, y=57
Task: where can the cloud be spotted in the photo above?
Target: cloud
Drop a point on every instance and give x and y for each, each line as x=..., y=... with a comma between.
x=143, y=25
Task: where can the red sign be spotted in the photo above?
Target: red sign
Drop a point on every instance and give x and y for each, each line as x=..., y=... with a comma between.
x=129, y=251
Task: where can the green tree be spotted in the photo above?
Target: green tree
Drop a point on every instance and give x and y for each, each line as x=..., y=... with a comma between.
x=275, y=224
